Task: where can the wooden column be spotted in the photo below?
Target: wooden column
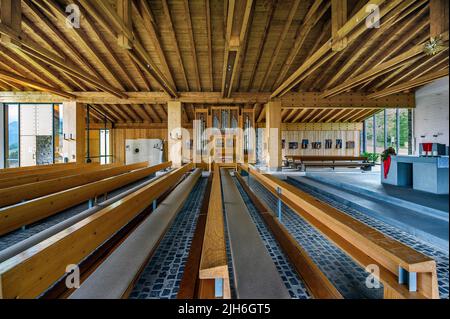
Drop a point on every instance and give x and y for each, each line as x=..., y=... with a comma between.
x=438, y=17
x=273, y=135
x=338, y=19
x=174, y=130
x=74, y=128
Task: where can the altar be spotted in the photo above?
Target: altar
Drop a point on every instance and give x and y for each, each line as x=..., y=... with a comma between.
x=427, y=174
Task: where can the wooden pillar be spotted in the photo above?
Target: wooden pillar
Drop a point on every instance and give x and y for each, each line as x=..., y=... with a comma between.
x=273, y=135
x=438, y=17
x=338, y=19
x=74, y=129
x=174, y=131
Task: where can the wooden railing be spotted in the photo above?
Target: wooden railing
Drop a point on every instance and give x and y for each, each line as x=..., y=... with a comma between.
x=404, y=272
x=16, y=194
x=318, y=285
x=16, y=216
x=32, y=272
x=213, y=274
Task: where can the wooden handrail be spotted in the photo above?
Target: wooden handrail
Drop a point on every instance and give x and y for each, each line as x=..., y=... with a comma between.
x=40, y=169
x=365, y=245
x=12, y=195
x=16, y=216
x=48, y=175
x=318, y=285
x=213, y=262
x=30, y=273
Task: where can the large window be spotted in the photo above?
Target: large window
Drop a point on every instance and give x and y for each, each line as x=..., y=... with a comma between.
x=30, y=131
x=105, y=147
x=12, y=135
x=389, y=128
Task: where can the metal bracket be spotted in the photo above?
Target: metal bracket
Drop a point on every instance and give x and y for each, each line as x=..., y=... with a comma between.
x=407, y=278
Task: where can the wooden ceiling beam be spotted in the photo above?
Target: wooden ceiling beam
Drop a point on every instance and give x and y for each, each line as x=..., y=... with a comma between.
x=352, y=28
x=438, y=17
x=190, y=32
x=259, y=52
x=300, y=115
x=87, y=45
x=209, y=37
x=289, y=101
x=338, y=20
x=362, y=50
x=11, y=77
x=411, y=84
x=336, y=115
x=302, y=33
x=172, y=33
x=237, y=25
x=378, y=70
x=281, y=40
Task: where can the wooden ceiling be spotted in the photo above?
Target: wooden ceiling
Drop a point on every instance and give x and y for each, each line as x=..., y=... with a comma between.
x=259, y=48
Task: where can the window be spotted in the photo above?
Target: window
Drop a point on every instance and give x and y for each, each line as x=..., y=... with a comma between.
x=12, y=136
x=391, y=128
x=105, y=151
x=33, y=134
x=379, y=119
x=369, y=135
x=404, y=132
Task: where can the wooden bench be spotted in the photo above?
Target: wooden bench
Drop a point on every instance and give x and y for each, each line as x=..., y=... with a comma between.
x=14, y=217
x=315, y=281
x=37, y=167
x=367, y=246
x=34, y=177
x=214, y=281
x=303, y=161
x=32, y=272
x=16, y=194
x=41, y=169
x=127, y=261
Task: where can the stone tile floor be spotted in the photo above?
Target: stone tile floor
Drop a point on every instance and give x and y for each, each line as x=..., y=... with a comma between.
x=162, y=276
x=347, y=276
x=441, y=257
x=30, y=230
x=288, y=273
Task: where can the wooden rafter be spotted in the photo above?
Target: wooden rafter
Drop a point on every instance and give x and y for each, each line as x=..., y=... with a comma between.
x=190, y=31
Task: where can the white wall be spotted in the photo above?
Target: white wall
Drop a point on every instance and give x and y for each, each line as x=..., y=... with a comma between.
x=431, y=113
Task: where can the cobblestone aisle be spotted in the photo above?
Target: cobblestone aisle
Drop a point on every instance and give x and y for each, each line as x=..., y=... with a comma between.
x=162, y=276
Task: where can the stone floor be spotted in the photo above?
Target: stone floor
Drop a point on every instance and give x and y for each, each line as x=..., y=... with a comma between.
x=161, y=277
x=347, y=276
x=30, y=230
x=441, y=257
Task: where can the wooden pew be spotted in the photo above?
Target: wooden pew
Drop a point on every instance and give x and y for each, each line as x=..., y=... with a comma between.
x=37, y=167
x=315, y=281
x=364, y=244
x=16, y=194
x=327, y=161
x=41, y=169
x=30, y=273
x=213, y=273
x=16, y=216
x=48, y=175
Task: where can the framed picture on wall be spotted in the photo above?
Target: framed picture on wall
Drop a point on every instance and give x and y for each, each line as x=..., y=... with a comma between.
x=283, y=144
x=293, y=145
x=328, y=144
x=305, y=144
x=316, y=145
x=338, y=143
x=350, y=145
